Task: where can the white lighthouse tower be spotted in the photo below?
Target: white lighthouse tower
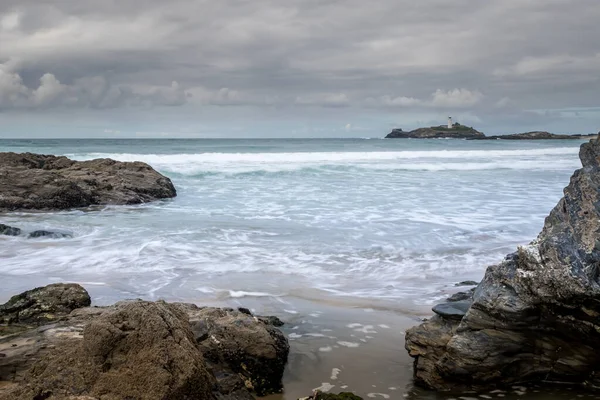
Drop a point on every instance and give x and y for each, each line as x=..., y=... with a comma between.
x=449, y=122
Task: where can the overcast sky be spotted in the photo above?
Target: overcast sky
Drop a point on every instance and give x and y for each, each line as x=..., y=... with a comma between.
x=296, y=68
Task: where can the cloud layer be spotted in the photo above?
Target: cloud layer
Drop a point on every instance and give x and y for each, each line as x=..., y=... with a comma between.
x=506, y=63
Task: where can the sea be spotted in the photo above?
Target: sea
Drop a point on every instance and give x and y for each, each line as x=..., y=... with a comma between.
x=347, y=240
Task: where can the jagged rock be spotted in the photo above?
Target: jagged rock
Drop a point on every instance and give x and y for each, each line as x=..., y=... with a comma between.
x=9, y=230
x=461, y=296
x=458, y=131
x=535, y=315
x=141, y=350
x=49, y=234
x=44, y=182
x=235, y=341
x=44, y=304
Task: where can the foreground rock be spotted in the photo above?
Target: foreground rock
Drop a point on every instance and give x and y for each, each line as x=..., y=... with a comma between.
x=536, y=135
x=44, y=182
x=48, y=303
x=141, y=350
x=535, y=316
x=458, y=131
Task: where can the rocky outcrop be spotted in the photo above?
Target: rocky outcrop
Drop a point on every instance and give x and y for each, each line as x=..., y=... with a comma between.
x=535, y=315
x=536, y=135
x=44, y=304
x=437, y=132
x=235, y=341
x=142, y=350
x=44, y=182
x=9, y=230
x=12, y=231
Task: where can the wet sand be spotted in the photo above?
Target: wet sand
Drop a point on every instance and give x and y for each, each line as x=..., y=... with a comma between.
x=361, y=350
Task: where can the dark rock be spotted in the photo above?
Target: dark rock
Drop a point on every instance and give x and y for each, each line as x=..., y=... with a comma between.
x=271, y=320
x=536, y=135
x=238, y=342
x=460, y=296
x=467, y=283
x=455, y=310
x=535, y=315
x=44, y=182
x=458, y=131
x=141, y=350
x=244, y=311
x=331, y=396
x=44, y=304
x=49, y=234
x=9, y=230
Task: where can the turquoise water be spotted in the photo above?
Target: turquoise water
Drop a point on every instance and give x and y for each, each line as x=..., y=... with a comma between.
x=348, y=241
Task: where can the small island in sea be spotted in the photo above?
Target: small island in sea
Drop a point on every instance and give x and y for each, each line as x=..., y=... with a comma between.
x=451, y=131
x=458, y=131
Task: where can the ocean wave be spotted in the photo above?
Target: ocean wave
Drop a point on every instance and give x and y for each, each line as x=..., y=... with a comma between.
x=207, y=164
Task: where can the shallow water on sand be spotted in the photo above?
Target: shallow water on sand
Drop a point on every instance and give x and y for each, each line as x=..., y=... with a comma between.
x=311, y=230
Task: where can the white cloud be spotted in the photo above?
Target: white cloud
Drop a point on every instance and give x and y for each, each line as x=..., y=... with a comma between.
x=93, y=92
x=456, y=98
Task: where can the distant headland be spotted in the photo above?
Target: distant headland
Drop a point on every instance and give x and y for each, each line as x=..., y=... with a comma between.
x=458, y=131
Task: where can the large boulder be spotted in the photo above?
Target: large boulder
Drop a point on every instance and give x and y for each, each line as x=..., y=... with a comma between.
x=155, y=346
x=141, y=350
x=44, y=304
x=45, y=182
x=250, y=347
x=536, y=315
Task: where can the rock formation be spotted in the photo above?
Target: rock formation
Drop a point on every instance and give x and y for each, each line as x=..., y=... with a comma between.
x=135, y=349
x=458, y=131
x=535, y=315
x=44, y=182
x=536, y=135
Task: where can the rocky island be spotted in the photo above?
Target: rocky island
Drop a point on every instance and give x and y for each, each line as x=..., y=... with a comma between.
x=456, y=131
x=535, y=315
x=45, y=182
x=535, y=135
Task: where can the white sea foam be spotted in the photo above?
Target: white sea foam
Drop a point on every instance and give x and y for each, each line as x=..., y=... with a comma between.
x=191, y=164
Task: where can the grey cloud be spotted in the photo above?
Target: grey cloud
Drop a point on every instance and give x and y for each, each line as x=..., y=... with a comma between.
x=490, y=57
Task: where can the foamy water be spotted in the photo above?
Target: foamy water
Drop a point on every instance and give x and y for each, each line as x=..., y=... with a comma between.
x=365, y=223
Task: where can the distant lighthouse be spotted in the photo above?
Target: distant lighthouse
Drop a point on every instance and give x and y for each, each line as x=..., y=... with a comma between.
x=449, y=122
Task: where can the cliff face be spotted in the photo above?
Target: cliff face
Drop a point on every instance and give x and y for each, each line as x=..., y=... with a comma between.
x=437, y=132
x=536, y=315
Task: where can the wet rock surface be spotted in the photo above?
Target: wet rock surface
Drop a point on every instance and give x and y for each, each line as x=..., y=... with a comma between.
x=142, y=350
x=239, y=342
x=45, y=182
x=44, y=304
x=9, y=230
x=535, y=315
